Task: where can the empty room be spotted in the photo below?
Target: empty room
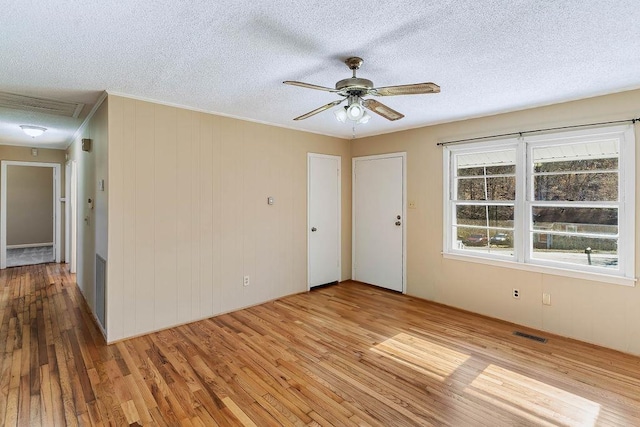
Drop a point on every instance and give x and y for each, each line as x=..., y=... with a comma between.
x=319, y=214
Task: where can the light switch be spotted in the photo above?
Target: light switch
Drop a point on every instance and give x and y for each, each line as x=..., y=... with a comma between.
x=269, y=200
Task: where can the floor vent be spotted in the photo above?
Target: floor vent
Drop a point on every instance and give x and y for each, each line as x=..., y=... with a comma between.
x=40, y=105
x=530, y=337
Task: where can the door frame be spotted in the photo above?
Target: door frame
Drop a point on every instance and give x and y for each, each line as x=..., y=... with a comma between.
x=3, y=207
x=339, y=213
x=71, y=220
x=354, y=160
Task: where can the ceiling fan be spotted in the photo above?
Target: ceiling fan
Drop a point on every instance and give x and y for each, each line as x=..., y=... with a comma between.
x=353, y=89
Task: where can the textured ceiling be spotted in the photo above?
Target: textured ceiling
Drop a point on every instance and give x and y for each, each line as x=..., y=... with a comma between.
x=230, y=57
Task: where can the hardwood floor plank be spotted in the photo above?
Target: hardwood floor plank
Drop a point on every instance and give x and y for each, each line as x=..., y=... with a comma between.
x=348, y=354
x=239, y=413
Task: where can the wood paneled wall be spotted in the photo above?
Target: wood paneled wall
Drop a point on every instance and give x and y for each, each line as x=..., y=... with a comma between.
x=188, y=214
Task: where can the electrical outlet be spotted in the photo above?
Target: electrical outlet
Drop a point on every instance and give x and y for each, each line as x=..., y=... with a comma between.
x=245, y=281
x=546, y=299
x=516, y=293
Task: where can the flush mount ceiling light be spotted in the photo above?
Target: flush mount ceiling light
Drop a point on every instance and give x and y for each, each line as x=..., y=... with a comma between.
x=33, y=131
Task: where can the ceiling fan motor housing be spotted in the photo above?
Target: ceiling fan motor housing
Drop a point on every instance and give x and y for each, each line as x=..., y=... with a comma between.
x=354, y=84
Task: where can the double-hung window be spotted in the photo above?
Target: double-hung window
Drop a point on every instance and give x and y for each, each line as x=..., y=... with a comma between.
x=561, y=201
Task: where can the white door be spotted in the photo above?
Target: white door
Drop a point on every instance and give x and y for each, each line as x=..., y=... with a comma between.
x=379, y=220
x=323, y=225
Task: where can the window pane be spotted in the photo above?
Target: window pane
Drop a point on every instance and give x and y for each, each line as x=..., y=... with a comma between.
x=486, y=163
x=591, y=155
x=577, y=187
x=501, y=239
x=477, y=240
x=473, y=236
x=487, y=170
x=577, y=165
x=576, y=220
x=498, y=216
x=471, y=189
x=499, y=188
x=573, y=250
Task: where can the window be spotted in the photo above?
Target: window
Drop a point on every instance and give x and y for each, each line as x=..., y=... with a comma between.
x=561, y=201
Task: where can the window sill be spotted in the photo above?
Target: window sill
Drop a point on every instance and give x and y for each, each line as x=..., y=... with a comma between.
x=596, y=277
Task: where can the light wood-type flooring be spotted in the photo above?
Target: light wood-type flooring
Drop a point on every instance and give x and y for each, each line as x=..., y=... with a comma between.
x=348, y=354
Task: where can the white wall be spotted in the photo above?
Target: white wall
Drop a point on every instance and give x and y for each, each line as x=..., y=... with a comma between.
x=188, y=214
x=591, y=311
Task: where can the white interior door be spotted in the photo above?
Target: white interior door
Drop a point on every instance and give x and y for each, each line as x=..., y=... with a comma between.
x=379, y=220
x=323, y=225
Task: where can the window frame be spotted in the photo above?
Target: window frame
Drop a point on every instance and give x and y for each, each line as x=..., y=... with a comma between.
x=523, y=254
x=451, y=167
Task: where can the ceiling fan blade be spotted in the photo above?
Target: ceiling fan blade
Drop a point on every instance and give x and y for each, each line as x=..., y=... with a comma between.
x=309, y=86
x=381, y=109
x=414, y=89
x=318, y=110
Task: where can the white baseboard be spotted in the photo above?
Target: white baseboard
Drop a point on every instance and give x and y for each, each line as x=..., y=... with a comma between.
x=29, y=245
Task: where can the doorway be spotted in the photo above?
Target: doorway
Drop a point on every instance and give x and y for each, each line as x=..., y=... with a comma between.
x=29, y=213
x=323, y=219
x=379, y=220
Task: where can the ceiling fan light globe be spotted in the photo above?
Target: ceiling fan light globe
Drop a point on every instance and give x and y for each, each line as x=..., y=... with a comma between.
x=355, y=112
x=365, y=118
x=341, y=115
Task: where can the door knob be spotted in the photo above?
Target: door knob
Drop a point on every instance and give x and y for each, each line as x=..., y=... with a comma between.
x=398, y=217
x=313, y=229
x=398, y=223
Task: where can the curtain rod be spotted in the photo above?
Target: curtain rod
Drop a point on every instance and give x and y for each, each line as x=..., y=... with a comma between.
x=458, y=141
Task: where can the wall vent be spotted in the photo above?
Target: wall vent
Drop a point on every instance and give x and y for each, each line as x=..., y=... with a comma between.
x=40, y=105
x=101, y=276
x=530, y=337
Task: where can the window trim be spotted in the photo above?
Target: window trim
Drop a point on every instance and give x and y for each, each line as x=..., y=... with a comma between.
x=522, y=251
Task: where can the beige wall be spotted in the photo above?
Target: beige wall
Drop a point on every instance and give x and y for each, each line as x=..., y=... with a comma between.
x=29, y=205
x=91, y=219
x=591, y=311
x=23, y=154
x=188, y=216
